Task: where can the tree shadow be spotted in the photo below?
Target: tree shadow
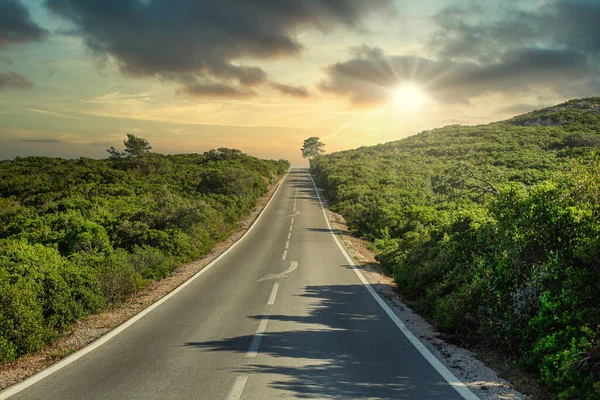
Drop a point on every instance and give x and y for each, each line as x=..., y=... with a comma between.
x=327, y=230
x=344, y=347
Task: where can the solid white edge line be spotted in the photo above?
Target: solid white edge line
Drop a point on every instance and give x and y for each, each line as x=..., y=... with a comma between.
x=12, y=390
x=456, y=383
x=238, y=387
x=273, y=294
x=255, y=344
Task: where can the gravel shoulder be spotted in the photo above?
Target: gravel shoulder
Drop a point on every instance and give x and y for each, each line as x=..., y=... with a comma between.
x=480, y=379
x=94, y=326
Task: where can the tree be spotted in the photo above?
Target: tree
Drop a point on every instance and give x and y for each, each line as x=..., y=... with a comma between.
x=135, y=147
x=223, y=153
x=312, y=148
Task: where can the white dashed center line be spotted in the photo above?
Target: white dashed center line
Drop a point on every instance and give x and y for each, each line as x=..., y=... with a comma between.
x=238, y=387
x=262, y=327
x=273, y=294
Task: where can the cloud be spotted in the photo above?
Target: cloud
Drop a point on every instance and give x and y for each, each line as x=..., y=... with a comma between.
x=517, y=109
x=6, y=60
x=468, y=32
x=214, y=90
x=52, y=113
x=40, y=140
x=12, y=80
x=369, y=77
x=204, y=44
x=16, y=25
x=290, y=90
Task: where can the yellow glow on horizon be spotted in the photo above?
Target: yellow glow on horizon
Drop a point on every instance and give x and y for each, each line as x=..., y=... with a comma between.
x=409, y=97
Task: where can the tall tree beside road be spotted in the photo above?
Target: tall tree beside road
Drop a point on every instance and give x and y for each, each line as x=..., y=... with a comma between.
x=312, y=148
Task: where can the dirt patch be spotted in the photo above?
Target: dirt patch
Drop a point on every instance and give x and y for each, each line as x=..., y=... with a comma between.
x=475, y=374
x=94, y=326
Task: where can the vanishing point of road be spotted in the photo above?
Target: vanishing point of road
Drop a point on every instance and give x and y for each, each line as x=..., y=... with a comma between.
x=282, y=314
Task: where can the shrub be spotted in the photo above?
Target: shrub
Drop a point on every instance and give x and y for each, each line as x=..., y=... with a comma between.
x=41, y=295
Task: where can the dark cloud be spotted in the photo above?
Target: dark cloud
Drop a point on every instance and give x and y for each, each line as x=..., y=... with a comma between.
x=16, y=25
x=214, y=90
x=290, y=90
x=467, y=32
x=481, y=50
x=201, y=43
x=369, y=77
x=12, y=80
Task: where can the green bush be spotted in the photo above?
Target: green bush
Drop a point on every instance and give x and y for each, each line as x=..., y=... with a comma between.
x=76, y=235
x=41, y=295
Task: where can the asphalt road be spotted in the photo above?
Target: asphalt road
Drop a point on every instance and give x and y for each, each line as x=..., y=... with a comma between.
x=281, y=315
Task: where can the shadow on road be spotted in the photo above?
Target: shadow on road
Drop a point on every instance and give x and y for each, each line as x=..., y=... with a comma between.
x=326, y=230
x=344, y=347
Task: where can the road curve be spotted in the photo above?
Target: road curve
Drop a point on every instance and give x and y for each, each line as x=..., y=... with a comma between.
x=281, y=315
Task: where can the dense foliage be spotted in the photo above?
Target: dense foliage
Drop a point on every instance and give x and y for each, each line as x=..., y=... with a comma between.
x=492, y=231
x=79, y=235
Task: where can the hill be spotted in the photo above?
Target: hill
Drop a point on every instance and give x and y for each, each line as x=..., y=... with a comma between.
x=492, y=231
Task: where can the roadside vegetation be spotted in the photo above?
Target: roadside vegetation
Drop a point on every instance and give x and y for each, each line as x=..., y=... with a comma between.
x=491, y=231
x=77, y=236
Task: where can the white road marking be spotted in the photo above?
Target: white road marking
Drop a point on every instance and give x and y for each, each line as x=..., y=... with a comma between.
x=12, y=390
x=287, y=245
x=238, y=387
x=289, y=235
x=284, y=256
x=291, y=268
x=260, y=332
x=293, y=215
x=273, y=294
x=291, y=227
x=294, y=207
x=292, y=220
x=435, y=363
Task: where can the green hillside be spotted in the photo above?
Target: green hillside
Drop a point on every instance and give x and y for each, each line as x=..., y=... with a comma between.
x=492, y=231
x=79, y=235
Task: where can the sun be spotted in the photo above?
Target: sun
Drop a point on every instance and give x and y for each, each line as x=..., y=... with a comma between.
x=409, y=97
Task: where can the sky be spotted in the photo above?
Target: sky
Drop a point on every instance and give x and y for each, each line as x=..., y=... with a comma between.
x=263, y=75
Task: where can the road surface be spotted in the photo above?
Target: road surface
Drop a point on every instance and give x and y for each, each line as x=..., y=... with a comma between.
x=283, y=314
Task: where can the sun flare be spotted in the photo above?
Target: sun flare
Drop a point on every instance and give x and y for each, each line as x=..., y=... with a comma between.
x=409, y=97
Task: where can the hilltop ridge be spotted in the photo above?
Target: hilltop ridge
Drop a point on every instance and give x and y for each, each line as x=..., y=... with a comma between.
x=571, y=114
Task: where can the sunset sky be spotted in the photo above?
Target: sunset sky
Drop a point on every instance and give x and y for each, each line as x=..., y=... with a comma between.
x=263, y=75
